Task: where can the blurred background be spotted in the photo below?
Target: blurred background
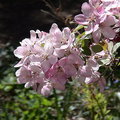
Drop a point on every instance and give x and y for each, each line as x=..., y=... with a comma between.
x=17, y=18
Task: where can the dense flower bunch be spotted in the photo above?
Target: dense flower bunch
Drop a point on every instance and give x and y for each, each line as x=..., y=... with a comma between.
x=50, y=60
x=101, y=18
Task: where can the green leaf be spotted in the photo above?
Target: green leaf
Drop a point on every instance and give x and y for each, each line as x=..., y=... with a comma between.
x=110, y=47
x=97, y=48
x=115, y=47
x=46, y=102
x=85, y=42
x=105, y=61
x=78, y=28
x=86, y=51
x=8, y=88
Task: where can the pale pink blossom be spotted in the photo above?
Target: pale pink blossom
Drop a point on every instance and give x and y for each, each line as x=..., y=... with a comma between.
x=100, y=18
x=48, y=60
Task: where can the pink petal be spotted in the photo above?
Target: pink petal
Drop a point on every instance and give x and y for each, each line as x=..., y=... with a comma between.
x=69, y=70
x=35, y=67
x=29, y=84
x=75, y=59
x=20, y=63
x=52, y=71
x=48, y=47
x=71, y=39
x=108, y=32
x=92, y=62
x=94, y=2
x=89, y=28
x=96, y=36
x=32, y=35
x=46, y=90
x=59, y=81
x=63, y=61
x=91, y=79
x=52, y=59
x=87, y=9
x=81, y=19
x=45, y=65
x=59, y=52
x=21, y=52
x=23, y=74
x=66, y=33
x=95, y=27
x=110, y=20
x=85, y=71
x=55, y=31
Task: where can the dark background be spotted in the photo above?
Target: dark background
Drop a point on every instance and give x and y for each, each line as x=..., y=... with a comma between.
x=18, y=17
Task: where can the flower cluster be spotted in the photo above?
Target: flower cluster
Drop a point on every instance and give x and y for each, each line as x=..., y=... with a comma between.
x=102, y=18
x=49, y=60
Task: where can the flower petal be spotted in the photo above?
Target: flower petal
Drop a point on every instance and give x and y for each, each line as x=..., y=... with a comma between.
x=87, y=9
x=80, y=19
x=108, y=32
x=89, y=29
x=110, y=20
x=96, y=36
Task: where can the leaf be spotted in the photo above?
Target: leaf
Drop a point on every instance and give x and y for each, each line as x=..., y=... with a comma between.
x=78, y=28
x=104, y=45
x=46, y=102
x=115, y=47
x=97, y=48
x=86, y=51
x=85, y=42
x=105, y=61
x=110, y=47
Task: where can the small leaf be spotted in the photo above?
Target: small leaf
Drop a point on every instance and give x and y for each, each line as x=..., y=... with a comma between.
x=115, y=47
x=46, y=102
x=8, y=88
x=105, y=61
x=78, y=28
x=97, y=48
x=110, y=47
x=85, y=42
x=86, y=51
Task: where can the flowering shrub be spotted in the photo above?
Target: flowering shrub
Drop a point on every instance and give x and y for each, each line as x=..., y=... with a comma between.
x=50, y=60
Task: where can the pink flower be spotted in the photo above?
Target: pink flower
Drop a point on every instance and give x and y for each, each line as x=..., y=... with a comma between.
x=42, y=59
x=49, y=60
x=85, y=71
x=91, y=15
x=100, y=18
x=46, y=89
x=105, y=29
x=93, y=78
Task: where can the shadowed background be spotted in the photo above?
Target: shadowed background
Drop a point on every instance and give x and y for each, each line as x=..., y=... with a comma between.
x=18, y=17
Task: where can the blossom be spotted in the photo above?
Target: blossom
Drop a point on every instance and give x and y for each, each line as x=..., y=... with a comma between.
x=105, y=29
x=100, y=18
x=49, y=60
x=91, y=15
